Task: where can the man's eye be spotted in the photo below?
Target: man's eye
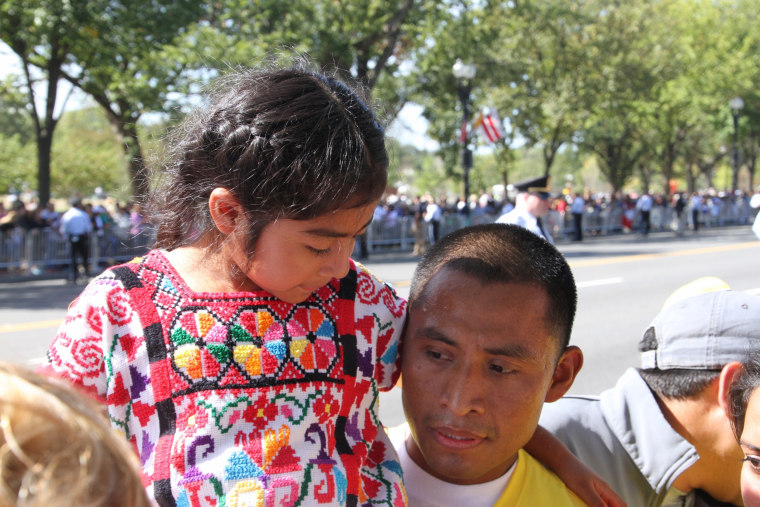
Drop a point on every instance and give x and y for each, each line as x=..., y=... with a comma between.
x=498, y=368
x=754, y=462
x=434, y=354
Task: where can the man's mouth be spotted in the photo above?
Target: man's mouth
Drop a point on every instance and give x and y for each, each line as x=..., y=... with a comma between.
x=456, y=438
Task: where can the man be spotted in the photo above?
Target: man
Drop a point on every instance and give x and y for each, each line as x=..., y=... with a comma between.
x=532, y=203
x=419, y=208
x=577, y=207
x=491, y=308
x=644, y=207
x=660, y=436
x=76, y=226
x=432, y=217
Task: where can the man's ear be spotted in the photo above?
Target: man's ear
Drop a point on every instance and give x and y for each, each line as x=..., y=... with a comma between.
x=225, y=210
x=727, y=377
x=568, y=366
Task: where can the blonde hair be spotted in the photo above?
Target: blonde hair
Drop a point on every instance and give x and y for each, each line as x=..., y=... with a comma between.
x=57, y=447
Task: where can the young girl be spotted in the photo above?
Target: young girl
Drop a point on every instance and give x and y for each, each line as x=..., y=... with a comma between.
x=743, y=410
x=243, y=356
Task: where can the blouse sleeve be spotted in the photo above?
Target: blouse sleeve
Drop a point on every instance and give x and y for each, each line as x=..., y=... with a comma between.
x=96, y=325
x=380, y=317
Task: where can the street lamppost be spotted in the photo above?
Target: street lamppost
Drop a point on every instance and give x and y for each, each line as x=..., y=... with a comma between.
x=464, y=73
x=736, y=104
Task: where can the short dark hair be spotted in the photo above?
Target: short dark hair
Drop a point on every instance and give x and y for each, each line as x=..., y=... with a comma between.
x=740, y=392
x=288, y=143
x=504, y=253
x=678, y=383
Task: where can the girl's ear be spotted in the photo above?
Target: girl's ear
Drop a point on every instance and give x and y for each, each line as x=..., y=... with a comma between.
x=225, y=210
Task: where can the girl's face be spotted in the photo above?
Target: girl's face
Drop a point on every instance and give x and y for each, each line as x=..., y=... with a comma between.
x=750, y=442
x=293, y=258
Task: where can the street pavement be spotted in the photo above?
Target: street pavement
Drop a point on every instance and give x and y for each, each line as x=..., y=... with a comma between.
x=622, y=279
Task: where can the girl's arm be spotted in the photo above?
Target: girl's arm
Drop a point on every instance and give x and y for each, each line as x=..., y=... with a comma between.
x=581, y=480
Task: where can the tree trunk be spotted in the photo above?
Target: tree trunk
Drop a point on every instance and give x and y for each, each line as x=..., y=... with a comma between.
x=44, y=145
x=138, y=171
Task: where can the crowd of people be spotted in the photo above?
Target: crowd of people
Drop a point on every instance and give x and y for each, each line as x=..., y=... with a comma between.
x=126, y=218
x=564, y=216
x=568, y=216
x=44, y=238
x=241, y=358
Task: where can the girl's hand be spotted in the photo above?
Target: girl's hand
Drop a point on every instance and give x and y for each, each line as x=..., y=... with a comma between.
x=589, y=487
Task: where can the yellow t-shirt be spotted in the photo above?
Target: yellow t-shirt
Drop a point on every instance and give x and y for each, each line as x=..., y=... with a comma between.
x=533, y=485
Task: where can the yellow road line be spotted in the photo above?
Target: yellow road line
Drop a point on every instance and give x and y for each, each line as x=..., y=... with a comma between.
x=26, y=326
x=643, y=257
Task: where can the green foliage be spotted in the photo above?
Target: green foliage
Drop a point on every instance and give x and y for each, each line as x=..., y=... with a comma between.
x=15, y=117
x=18, y=165
x=87, y=155
x=641, y=87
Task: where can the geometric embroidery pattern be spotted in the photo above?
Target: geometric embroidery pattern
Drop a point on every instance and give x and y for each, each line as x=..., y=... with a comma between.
x=242, y=399
x=256, y=347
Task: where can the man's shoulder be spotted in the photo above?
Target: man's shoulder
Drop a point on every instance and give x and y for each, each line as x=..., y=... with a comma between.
x=516, y=216
x=533, y=484
x=580, y=423
x=570, y=408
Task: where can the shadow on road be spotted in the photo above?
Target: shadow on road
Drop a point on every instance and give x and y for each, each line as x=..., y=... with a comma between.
x=39, y=295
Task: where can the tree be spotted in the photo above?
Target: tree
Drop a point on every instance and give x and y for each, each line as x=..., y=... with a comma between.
x=111, y=49
x=86, y=155
x=17, y=162
x=364, y=40
x=128, y=62
x=540, y=52
x=42, y=43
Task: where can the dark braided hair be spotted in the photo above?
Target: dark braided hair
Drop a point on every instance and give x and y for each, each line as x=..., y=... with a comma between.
x=288, y=143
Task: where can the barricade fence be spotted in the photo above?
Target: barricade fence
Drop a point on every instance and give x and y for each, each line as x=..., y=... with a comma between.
x=45, y=251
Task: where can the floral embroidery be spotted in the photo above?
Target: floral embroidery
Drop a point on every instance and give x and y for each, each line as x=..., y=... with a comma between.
x=235, y=400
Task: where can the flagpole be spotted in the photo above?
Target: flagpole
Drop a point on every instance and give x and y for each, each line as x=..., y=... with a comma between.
x=464, y=73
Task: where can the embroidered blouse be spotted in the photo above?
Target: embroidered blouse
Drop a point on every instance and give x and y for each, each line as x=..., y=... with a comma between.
x=241, y=398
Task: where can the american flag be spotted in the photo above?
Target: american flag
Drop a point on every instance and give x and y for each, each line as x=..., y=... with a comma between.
x=489, y=123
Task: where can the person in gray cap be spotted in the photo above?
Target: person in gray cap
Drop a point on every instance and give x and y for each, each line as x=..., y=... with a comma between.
x=533, y=202
x=660, y=435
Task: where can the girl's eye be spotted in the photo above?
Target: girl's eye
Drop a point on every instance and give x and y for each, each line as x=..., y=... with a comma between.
x=319, y=251
x=754, y=462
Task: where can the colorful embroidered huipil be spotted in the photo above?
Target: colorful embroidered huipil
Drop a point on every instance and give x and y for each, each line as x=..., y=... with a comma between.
x=242, y=399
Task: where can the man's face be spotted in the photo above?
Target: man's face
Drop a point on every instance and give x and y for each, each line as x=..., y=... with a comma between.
x=538, y=203
x=477, y=366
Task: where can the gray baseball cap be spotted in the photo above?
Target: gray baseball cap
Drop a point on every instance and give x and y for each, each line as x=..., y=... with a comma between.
x=703, y=332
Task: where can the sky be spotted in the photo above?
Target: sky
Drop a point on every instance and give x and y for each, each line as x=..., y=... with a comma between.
x=410, y=127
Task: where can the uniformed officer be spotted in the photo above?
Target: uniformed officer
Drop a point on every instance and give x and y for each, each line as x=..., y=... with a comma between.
x=533, y=202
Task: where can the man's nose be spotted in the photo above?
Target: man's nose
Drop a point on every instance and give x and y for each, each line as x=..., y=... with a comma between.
x=463, y=392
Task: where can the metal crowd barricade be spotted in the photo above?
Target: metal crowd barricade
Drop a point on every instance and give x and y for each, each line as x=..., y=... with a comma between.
x=45, y=251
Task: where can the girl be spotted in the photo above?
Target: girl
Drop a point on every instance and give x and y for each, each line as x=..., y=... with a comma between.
x=744, y=414
x=243, y=356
